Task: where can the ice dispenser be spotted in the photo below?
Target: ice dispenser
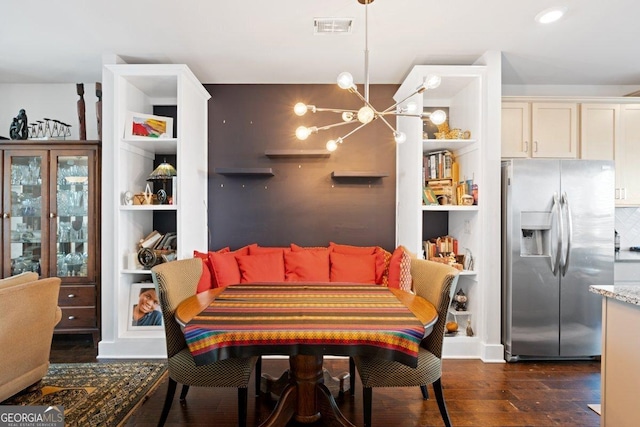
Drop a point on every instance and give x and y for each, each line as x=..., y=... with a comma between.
x=535, y=231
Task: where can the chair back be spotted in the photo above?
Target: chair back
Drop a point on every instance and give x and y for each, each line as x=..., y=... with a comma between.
x=435, y=282
x=175, y=281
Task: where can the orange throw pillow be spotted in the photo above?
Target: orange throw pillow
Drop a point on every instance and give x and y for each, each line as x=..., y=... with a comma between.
x=307, y=266
x=353, y=268
x=205, y=283
x=225, y=267
x=260, y=250
x=364, y=250
x=296, y=248
x=261, y=268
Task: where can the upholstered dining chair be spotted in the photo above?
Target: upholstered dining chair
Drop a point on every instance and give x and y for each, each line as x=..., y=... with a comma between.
x=436, y=283
x=175, y=282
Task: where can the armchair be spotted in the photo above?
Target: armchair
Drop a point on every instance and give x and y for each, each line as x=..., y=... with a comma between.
x=28, y=313
x=436, y=283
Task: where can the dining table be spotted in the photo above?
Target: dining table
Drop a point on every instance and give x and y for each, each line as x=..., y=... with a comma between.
x=305, y=321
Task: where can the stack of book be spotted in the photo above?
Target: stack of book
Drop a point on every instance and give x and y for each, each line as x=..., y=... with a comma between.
x=161, y=243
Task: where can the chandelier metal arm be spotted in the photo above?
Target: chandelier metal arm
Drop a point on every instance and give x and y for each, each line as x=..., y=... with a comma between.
x=332, y=126
x=354, y=130
x=333, y=110
x=417, y=91
x=386, y=123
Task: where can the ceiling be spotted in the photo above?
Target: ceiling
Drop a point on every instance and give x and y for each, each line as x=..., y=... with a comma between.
x=242, y=41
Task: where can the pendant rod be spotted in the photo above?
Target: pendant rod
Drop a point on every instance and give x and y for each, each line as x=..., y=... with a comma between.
x=366, y=51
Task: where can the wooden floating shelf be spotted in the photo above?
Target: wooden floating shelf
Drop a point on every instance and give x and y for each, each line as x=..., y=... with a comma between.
x=358, y=174
x=296, y=153
x=244, y=171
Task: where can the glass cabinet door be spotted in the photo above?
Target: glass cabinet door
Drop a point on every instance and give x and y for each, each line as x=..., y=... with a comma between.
x=27, y=175
x=73, y=215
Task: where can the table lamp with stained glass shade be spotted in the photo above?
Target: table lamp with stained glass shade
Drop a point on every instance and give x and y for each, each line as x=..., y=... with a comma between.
x=162, y=173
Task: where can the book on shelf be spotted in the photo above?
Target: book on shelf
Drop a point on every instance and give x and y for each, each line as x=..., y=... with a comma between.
x=438, y=164
x=150, y=240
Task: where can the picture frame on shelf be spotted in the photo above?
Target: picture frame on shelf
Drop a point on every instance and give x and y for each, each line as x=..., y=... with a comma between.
x=140, y=126
x=144, y=308
x=429, y=198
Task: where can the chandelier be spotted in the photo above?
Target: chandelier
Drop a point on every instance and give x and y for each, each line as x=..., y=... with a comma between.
x=368, y=113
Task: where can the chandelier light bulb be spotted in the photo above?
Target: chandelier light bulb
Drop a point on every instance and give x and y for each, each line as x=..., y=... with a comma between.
x=332, y=145
x=438, y=117
x=432, y=81
x=303, y=132
x=365, y=114
x=347, y=116
x=300, y=109
x=400, y=137
x=345, y=80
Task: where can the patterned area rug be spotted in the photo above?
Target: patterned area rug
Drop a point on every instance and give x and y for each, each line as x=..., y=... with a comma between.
x=95, y=394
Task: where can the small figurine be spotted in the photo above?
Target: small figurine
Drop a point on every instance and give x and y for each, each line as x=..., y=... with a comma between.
x=19, y=128
x=461, y=301
x=469, y=329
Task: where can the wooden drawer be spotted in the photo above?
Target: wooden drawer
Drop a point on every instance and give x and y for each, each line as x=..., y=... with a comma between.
x=73, y=318
x=76, y=296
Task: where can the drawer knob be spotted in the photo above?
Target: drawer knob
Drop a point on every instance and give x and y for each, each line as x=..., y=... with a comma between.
x=72, y=317
x=71, y=295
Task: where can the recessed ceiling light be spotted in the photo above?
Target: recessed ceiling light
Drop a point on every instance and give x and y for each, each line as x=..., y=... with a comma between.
x=551, y=15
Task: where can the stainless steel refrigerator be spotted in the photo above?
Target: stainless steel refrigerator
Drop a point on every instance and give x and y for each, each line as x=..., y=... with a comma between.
x=557, y=240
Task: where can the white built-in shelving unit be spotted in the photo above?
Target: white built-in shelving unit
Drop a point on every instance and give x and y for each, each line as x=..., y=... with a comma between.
x=127, y=163
x=465, y=92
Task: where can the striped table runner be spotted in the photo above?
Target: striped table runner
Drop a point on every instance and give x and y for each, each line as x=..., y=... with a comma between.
x=289, y=318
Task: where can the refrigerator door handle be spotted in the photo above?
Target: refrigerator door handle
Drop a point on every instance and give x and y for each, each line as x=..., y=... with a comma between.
x=555, y=264
x=566, y=208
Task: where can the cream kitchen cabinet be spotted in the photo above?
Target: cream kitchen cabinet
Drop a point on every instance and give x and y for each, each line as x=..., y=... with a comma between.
x=628, y=157
x=610, y=131
x=540, y=129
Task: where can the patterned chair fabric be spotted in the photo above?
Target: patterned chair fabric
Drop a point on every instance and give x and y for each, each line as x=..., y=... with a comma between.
x=436, y=283
x=176, y=281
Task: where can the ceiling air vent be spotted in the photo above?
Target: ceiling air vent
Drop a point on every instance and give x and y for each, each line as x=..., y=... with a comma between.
x=332, y=25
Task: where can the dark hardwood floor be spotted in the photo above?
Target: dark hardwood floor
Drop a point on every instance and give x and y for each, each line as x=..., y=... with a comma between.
x=476, y=393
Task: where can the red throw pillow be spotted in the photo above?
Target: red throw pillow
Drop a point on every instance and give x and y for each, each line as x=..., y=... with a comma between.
x=394, y=268
x=307, y=266
x=296, y=248
x=364, y=250
x=261, y=268
x=205, y=283
x=353, y=268
x=245, y=249
x=209, y=267
x=225, y=268
x=259, y=250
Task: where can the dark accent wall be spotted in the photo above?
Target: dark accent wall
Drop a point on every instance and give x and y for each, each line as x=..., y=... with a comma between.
x=301, y=203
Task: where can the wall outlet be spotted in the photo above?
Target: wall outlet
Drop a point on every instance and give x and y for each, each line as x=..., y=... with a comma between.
x=467, y=227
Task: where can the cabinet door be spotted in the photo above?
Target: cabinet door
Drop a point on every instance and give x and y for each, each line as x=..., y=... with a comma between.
x=26, y=202
x=73, y=222
x=599, y=131
x=516, y=131
x=628, y=156
x=554, y=129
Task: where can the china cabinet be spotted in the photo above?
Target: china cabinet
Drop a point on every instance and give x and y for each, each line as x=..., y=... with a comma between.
x=51, y=222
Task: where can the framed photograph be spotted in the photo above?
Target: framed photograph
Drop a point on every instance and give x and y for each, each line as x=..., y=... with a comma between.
x=147, y=126
x=429, y=129
x=429, y=198
x=144, y=308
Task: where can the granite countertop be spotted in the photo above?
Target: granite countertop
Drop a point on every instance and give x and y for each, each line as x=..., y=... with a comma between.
x=625, y=293
x=625, y=255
